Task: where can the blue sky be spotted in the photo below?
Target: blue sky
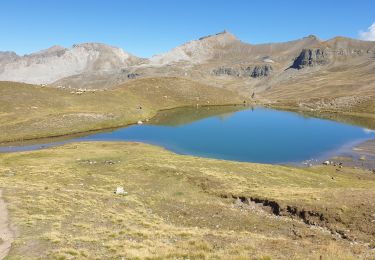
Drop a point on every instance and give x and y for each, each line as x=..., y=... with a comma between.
x=145, y=28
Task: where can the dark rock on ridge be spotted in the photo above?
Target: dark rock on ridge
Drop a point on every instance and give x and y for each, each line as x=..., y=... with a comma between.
x=311, y=58
x=261, y=71
x=226, y=71
x=249, y=71
x=133, y=75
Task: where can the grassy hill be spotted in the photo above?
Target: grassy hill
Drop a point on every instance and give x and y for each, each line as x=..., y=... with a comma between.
x=62, y=202
x=28, y=111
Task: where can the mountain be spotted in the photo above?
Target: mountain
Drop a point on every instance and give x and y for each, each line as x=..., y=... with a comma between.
x=55, y=63
x=224, y=47
x=339, y=66
x=197, y=51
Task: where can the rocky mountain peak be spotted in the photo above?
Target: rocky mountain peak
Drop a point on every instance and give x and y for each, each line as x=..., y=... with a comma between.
x=8, y=55
x=196, y=51
x=221, y=36
x=56, y=62
x=313, y=37
x=51, y=51
x=93, y=46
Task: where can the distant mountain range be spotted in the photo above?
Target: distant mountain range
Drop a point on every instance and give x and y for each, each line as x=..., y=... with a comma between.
x=221, y=60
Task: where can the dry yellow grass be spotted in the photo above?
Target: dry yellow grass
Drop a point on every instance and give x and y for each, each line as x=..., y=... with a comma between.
x=28, y=111
x=62, y=203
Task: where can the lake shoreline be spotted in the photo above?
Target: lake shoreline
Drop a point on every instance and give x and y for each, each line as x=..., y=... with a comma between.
x=359, y=119
x=184, y=116
x=100, y=129
x=361, y=155
x=317, y=114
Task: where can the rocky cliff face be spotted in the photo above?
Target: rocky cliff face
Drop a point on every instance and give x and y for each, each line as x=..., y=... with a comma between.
x=57, y=62
x=311, y=58
x=227, y=71
x=261, y=71
x=254, y=71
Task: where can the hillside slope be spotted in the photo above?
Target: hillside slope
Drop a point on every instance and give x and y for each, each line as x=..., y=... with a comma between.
x=29, y=111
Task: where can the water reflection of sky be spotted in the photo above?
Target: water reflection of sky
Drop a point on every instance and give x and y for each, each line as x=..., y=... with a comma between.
x=368, y=131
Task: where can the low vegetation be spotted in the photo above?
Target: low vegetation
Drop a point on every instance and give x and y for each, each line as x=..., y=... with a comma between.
x=28, y=112
x=62, y=203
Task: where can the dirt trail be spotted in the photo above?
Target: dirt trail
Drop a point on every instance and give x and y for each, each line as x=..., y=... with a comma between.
x=6, y=234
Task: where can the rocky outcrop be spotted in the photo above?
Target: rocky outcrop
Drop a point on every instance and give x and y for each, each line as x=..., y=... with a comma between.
x=130, y=74
x=228, y=71
x=133, y=75
x=256, y=71
x=311, y=58
x=261, y=71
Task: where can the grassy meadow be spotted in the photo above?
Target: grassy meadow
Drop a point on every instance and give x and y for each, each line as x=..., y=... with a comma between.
x=63, y=206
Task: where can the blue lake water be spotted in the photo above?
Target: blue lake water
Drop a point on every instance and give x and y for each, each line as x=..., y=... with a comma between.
x=254, y=135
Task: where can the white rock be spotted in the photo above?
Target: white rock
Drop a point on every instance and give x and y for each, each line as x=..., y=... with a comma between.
x=120, y=191
x=326, y=163
x=139, y=122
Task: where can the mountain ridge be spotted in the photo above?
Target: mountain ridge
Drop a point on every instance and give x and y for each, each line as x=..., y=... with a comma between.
x=220, y=60
x=56, y=62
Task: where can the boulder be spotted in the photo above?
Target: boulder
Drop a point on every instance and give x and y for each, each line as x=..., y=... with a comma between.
x=133, y=75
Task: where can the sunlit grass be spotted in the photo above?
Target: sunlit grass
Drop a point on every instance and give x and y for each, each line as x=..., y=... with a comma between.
x=65, y=207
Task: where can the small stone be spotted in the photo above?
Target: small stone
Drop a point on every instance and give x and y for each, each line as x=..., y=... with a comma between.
x=120, y=191
x=109, y=162
x=326, y=163
x=139, y=122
